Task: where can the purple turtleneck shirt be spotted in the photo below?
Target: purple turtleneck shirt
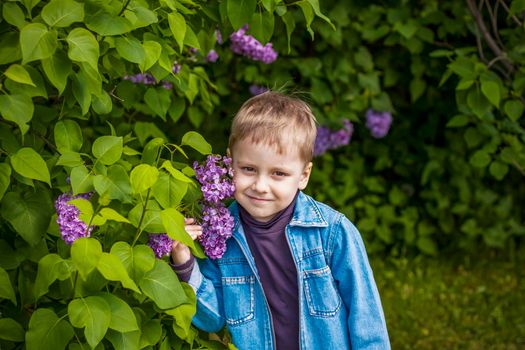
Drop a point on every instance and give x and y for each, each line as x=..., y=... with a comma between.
x=277, y=271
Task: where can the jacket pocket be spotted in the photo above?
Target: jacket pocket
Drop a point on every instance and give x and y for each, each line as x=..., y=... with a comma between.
x=239, y=299
x=322, y=296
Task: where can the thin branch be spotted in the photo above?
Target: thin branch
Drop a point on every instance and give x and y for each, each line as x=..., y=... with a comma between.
x=488, y=38
x=494, y=21
x=514, y=18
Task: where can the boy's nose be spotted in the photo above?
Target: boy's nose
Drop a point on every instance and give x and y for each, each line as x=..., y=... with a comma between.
x=260, y=185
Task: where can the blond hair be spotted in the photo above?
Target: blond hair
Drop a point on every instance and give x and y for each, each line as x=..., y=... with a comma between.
x=275, y=119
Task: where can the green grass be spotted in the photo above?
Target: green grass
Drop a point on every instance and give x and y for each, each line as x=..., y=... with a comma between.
x=441, y=303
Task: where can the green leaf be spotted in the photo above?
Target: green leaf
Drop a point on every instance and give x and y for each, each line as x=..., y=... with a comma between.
x=83, y=47
x=183, y=314
x=151, y=333
x=13, y=14
x=177, y=25
x=70, y=159
x=498, y=170
x=151, y=221
x=106, y=24
x=192, y=88
x=6, y=288
x=124, y=341
x=5, y=178
x=318, y=13
x=480, y=159
x=240, y=12
x=57, y=69
x=491, y=91
x=197, y=142
x=457, y=121
x=262, y=26
x=19, y=74
x=81, y=91
x=47, y=331
x=137, y=260
x=29, y=4
x=152, y=51
x=102, y=103
x=162, y=286
x=81, y=180
x=130, y=49
x=112, y=269
x=11, y=330
x=514, y=109
x=108, y=149
x=140, y=16
x=111, y=214
x=289, y=22
x=308, y=13
x=159, y=100
x=68, y=136
x=92, y=313
x=85, y=253
x=10, y=50
x=116, y=184
x=143, y=176
x=122, y=317
x=18, y=109
x=29, y=215
x=37, y=42
x=478, y=103
x=173, y=222
x=38, y=88
x=177, y=174
x=50, y=268
x=168, y=191
x=27, y=162
x=427, y=245
x=417, y=88
x=62, y=13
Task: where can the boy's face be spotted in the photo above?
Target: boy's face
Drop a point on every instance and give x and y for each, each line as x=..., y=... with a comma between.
x=266, y=182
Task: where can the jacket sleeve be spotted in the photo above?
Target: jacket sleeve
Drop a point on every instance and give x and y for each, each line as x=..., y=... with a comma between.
x=354, y=278
x=205, y=279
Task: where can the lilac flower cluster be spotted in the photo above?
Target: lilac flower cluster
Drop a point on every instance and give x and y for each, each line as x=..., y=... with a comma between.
x=215, y=177
x=160, y=243
x=218, y=36
x=327, y=139
x=257, y=89
x=70, y=225
x=378, y=123
x=146, y=79
x=212, y=56
x=247, y=45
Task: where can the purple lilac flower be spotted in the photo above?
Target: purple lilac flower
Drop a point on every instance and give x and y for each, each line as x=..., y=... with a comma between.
x=247, y=45
x=176, y=67
x=217, y=227
x=215, y=177
x=327, y=139
x=378, y=123
x=212, y=56
x=70, y=225
x=218, y=36
x=140, y=78
x=160, y=243
x=257, y=89
x=167, y=85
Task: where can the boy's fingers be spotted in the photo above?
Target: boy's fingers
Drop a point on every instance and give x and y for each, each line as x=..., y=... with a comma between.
x=189, y=220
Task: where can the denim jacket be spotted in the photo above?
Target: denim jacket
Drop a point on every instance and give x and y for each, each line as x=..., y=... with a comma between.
x=339, y=303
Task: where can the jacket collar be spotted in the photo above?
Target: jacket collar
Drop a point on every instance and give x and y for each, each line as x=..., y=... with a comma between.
x=306, y=213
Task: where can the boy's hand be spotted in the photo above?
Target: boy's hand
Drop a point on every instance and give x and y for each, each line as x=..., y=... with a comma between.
x=180, y=253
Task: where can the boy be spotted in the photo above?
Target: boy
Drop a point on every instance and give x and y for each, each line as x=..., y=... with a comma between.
x=295, y=274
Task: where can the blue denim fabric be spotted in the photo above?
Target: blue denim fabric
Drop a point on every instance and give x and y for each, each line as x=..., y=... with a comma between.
x=339, y=303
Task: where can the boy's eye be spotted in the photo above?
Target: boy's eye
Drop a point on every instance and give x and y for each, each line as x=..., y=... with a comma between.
x=247, y=169
x=280, y=173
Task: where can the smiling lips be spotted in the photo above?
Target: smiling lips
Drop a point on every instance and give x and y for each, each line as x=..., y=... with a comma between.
x=256, y=199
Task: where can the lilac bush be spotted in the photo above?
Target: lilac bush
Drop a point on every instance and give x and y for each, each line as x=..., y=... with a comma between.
x=160, y=243
x=257, y=89
x=216, y=179
x=378, y=123
x=212, y=56
x=68, y=220
x=327, y=139
x=248, y=46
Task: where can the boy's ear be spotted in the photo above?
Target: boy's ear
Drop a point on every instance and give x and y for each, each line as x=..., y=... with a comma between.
x=305, y=176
